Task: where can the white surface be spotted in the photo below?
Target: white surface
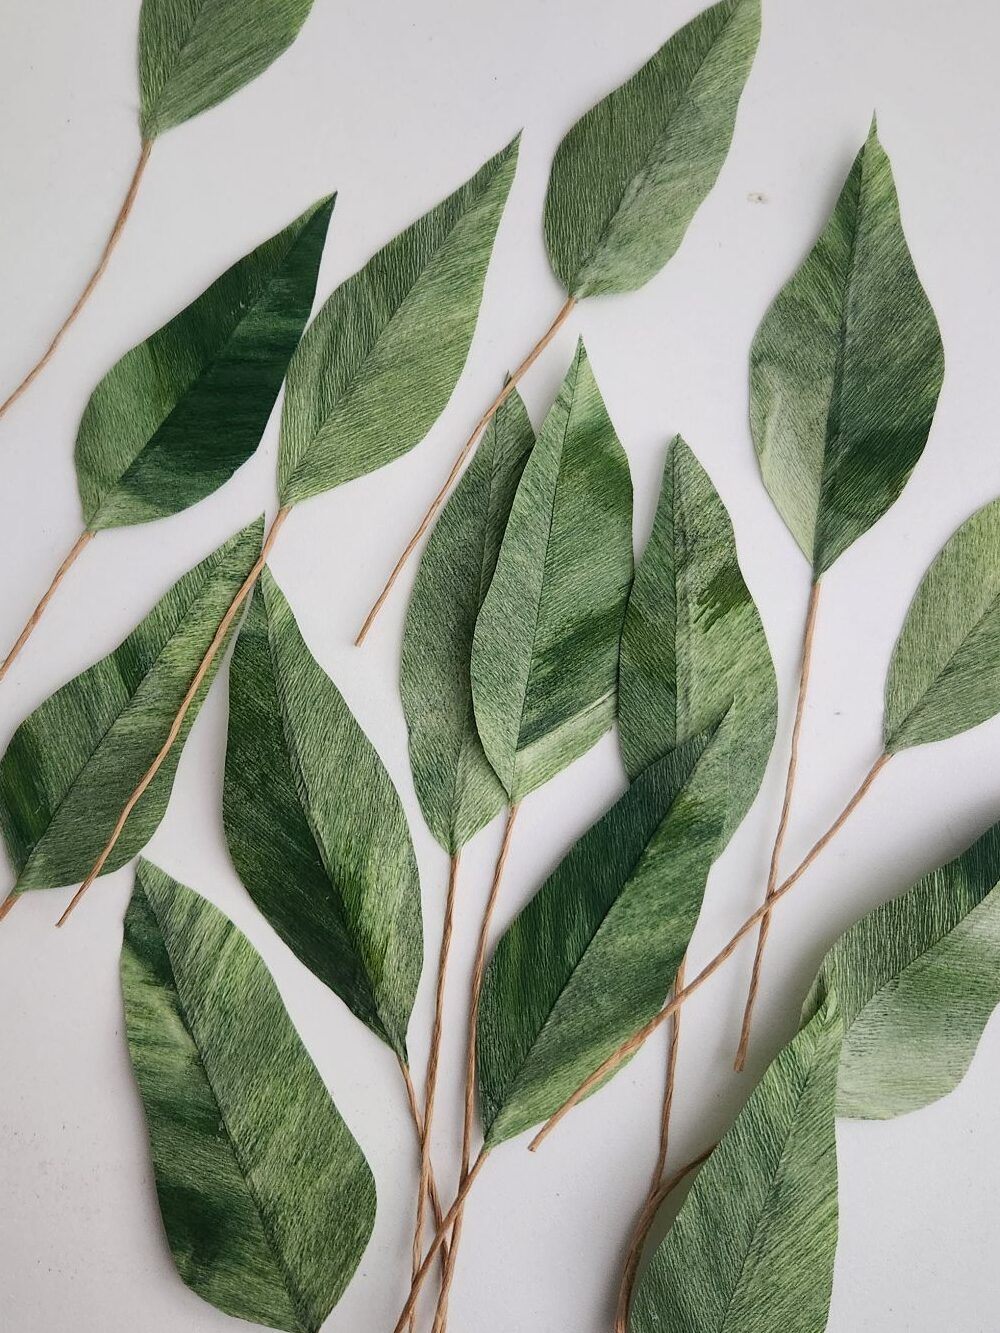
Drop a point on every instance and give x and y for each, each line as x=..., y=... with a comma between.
x=393, y=105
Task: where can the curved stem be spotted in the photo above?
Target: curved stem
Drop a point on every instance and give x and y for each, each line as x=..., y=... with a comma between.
x=466, y=449
x=629, y=1048
x=36, y=615
x=418, y=1124
x=779, y=838
x=96, y=276
x=175, y=727
x=8, y=904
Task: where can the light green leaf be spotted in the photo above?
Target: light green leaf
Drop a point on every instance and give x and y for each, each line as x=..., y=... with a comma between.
x=944, y=676
x=314, y=826
x=752, y=1249
x=193, y=54
x=267, y=1200
x=631, y=174
x=175, y=418
x=459, y=792
x=846, y=369
x=379, y=362
x=592, y=956
x=545, y=652
x=74, y=762
x=693, y=647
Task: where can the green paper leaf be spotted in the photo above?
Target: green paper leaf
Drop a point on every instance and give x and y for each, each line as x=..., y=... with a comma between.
x=459, y=792
x=693, y=647
x=74, y=762
x=944, y=676
x=266, y=1198
x=314, y=825
x=592, y=956
x=193, y=54
x=175, y=418
x=846, y=369
x=379, y=362
x=631, y=174
x=753, y=1247
x=545, y=652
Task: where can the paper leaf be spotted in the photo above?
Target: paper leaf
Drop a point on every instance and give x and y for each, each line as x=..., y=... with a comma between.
x=379, y=362
x=458, y=790
x=266, y=1198
x=193, y=54
x=593, y=955
x=545, y=652
x=752, y=1249
x=631, y=174
x=175, y=418
x=846, y=369
x=74, y=762
x=944, y=676
x=314, y=826
x=693, y=647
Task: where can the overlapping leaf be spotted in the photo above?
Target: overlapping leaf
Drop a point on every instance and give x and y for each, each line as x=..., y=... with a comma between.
x=267, y=1200
x=74, y=762
x=178, y=414
x=693, y=648
x=458, y=790
x=846, y=369
x=314, y=825
x=194, y=54
x=631, y=174
x=379, y=362
x=545, y=652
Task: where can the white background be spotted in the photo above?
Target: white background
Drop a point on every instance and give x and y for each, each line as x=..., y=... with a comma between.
x=393, y=105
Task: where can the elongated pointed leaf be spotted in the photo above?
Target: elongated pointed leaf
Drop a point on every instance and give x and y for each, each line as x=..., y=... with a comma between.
x=752, y=1249
x=631, y=174
x=845, y=371
x=74, y=762
x=193, y=54
x=379, y=362
x=266, y=1198
x=545, y=653
x=458, y=790
x=592, y=956
x=175, y=418
x=693, y=647
x=314, y=825
x=944, y=676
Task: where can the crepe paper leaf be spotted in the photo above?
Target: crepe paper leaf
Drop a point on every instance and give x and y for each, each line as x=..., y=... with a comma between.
x=73, y=763
x=917, y=980
x=175, y=418
x=595, y=952
x=267, y=1200
x=379, y=362
x=631, y=174
x=459, y=792
x=944, y=677
x=693, y=647
x=845, y=371
x=314, y=825
x=193, y=54
x=752, y=1249
x=545, y=652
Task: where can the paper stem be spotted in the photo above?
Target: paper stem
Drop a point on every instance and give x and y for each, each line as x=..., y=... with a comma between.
x=36, y=615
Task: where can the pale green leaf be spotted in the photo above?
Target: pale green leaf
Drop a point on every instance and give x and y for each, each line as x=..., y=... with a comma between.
x=545, y=652
x=266, y=1199
x=175, y=418
x=314, y=825
x=693, y=647
x=458, y=790
x=74, y=762
x=846, y=370
x=379, y=362
x=631, y=174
